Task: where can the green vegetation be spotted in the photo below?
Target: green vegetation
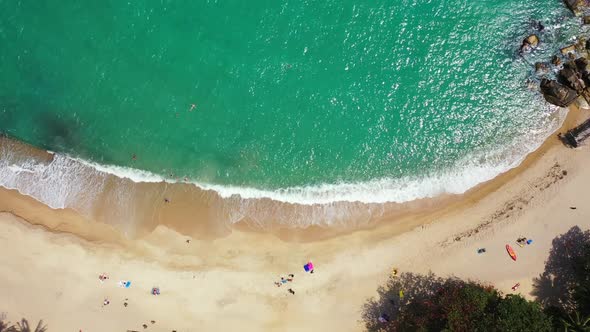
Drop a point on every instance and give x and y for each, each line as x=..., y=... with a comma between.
x=431, y=303
x=581, y=293
x=450, y=305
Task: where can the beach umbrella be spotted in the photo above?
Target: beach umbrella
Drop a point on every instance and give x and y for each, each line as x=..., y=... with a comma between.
x=308, y=267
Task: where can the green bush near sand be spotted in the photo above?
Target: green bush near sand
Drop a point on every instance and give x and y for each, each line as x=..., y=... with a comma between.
x=412, y=302
x=430, y=303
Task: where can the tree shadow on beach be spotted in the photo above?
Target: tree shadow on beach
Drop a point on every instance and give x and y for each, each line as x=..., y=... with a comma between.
x=554, y=287
x=416, y=288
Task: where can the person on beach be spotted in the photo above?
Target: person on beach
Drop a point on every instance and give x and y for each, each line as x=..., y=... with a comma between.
x=291, y=291
x=166, y=200
x=106, y=302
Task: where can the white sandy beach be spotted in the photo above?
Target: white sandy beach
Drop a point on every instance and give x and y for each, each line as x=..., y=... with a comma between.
x=49, y=269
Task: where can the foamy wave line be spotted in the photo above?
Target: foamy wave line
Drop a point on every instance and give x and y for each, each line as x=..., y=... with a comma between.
x=469, y=172
x=474, y=170
x=375, y=191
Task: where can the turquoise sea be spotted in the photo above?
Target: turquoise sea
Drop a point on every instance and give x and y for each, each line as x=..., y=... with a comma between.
x=302, y=101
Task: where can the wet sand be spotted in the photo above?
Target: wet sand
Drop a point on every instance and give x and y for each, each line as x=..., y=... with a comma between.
x=222, y=279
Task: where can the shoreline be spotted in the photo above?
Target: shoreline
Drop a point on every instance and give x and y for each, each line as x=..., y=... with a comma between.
x=199, y=280
x=204, y=214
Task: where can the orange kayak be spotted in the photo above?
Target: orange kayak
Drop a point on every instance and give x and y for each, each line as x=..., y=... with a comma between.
x=511, y=252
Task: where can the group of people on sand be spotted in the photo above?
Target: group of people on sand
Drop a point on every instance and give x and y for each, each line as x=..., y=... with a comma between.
x=123, y=284
x=286, y=280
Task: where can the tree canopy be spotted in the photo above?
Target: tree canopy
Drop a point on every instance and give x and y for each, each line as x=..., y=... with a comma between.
x=450, y=305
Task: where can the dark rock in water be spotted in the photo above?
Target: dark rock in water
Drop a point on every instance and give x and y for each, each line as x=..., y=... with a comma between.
x=532, y=40
x=580, y=44
x=571, y=65
x=556, y=60
x=570, y=77
x=541, y=68
x=581, y=64
x=538, y=25
x=568, y=49
x=529, y=43
x=557, y=94
x=586, y=19
x=588, y=44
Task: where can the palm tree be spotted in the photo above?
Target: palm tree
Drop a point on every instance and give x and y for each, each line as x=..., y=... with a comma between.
x=4, y=327
x=576, y=324
x=23, y=326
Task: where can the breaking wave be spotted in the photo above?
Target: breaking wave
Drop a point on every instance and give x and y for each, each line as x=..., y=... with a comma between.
x=63, y=179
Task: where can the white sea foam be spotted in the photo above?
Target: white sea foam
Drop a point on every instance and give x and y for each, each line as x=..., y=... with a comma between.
x=57, y=182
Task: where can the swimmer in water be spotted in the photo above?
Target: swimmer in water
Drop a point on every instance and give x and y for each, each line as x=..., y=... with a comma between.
x=193, y=106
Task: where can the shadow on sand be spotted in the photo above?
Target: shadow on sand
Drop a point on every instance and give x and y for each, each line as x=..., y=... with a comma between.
x=554, y=287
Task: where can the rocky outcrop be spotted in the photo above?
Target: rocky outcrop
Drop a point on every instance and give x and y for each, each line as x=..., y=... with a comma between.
x=581, y=64
x=568, y=49
x=541, y=68
x=576, y=6
x=557, y=94
x=570, y=77
x=529, y=43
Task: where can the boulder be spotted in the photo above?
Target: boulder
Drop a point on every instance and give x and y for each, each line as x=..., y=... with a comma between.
x=576, y=6
x=556, y=60
x=586, y=19
x=568, y=49
x=581, y=64
x=557, y=94
x=532, y=40
x=570, y=77
x=529, y=43
x=541, y=68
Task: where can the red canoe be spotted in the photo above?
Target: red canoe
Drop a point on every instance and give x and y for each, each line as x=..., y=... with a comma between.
x=511, y=252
